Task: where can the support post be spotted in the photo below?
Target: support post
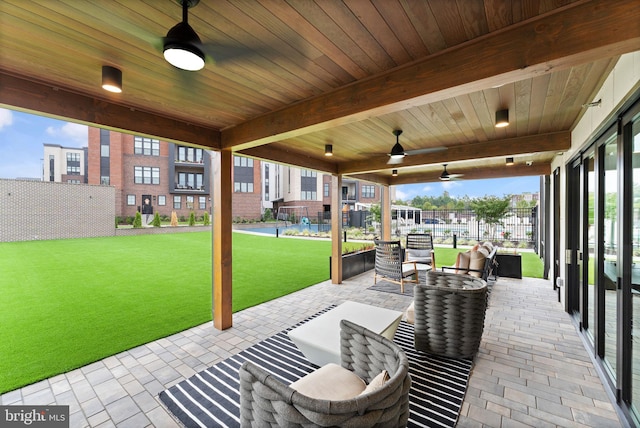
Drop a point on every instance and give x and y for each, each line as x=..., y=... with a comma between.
x=385, y=213
x=221, y=239
x=336, y=229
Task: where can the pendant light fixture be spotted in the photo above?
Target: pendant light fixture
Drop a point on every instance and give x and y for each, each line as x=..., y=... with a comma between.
x=328, y=150
x=181, y=46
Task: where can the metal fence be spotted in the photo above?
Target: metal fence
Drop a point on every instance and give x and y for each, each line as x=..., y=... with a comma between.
x=518, y=228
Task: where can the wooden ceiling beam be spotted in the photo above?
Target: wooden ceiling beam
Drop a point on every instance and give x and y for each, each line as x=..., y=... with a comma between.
x=556, y=141
x=279, y=155
x=64, y=104
x=477, y=173
x=578, y=33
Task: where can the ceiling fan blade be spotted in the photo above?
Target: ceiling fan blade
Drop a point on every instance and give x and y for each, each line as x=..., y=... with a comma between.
x=222, y=53
x=425, y=150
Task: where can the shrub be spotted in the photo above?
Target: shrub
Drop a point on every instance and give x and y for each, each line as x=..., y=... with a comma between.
x=156, y=220
x=192, y=218
x=205, y=219
x=137, y=222
x=507, y=244
x=174, y=219
x=182, y=219
x=523, y=244
x=117, y=221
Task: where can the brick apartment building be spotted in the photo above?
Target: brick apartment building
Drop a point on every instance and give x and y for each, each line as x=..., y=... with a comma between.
x=152, y=176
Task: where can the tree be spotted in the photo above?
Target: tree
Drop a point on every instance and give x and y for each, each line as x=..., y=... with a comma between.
x=192, y=218
x=491, y=210
x=156, y=220
x=205, y=219
x=137, y=222
x=174, y=219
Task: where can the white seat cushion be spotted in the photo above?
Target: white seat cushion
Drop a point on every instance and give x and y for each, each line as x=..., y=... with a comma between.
x=408, y=269
x=420, y=256
x=330, y=382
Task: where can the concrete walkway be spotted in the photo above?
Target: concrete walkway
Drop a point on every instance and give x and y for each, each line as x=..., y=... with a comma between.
x=532, y=369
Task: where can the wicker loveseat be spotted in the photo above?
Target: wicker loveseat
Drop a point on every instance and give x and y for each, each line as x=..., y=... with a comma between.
x=449, y=314
x=267, y=402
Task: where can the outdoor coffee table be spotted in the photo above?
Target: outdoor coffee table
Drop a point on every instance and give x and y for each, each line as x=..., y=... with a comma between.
x=319, y=338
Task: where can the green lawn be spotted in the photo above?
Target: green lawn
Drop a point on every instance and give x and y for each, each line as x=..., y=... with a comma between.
x=67, y=303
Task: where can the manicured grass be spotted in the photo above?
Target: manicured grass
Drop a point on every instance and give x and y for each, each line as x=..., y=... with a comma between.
x=67, y=303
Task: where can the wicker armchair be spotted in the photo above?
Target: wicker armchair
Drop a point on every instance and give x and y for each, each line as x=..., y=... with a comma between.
x=390, y=266
x=449, y=314
x=267, y=402
x=419, y=248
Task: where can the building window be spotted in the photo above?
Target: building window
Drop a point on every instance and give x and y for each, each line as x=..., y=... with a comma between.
x=52, y=168
x=177, y=202
x=146, y=175
x=104, y=180
x=308, y=185
x=73, y=170
x=73, y=181
x=131, y=199
x=368, y=191
x=190, y=202
x=326, y=190
x=189, y=180
x=242, y=174
x=73, y=157
x=306, y=195
x=189, y=154
x=104, y=150
x=162, y=200
x=202, y=203
x=146, y=146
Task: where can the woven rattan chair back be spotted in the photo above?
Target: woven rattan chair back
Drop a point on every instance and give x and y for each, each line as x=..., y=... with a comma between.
x=449, y=314
x=390, y=266
x=267, y=402
x=419, y=241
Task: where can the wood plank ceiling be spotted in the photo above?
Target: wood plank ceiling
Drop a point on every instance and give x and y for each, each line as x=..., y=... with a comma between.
x=291, y=76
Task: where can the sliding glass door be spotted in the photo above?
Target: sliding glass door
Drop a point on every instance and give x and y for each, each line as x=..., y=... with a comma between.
x=609, y=180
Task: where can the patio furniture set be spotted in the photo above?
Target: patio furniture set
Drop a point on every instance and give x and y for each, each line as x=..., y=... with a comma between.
x=363, y=378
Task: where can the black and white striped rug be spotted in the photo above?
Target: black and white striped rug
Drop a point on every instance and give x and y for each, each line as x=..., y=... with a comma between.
x=211, y=399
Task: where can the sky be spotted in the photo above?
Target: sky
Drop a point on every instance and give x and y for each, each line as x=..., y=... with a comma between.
x=22, y=136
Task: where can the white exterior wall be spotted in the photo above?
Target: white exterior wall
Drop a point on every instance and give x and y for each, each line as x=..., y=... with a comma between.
x=618, y=87
x=60, y=161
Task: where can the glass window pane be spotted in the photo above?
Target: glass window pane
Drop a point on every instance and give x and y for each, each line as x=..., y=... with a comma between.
x=610, y=184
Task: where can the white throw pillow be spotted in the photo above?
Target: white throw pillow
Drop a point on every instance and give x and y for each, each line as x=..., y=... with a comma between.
x=376, y=383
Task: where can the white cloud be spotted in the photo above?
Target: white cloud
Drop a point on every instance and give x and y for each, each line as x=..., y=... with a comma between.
x=446, y=185
x=427, y=189
x=6, y=118
x=403, y=196
x=76, y=132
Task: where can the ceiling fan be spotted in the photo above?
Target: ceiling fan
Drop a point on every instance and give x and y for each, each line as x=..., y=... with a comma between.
x=398, y=152
x=183, y=48
x=445, y=176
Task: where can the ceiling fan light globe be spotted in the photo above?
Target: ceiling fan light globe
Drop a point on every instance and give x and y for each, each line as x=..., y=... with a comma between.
x=187, y=58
